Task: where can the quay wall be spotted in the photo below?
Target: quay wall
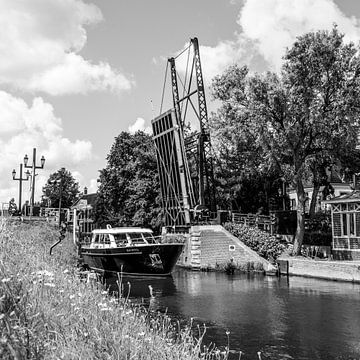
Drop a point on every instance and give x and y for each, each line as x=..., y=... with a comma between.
x=324, y=269
x=212, y=247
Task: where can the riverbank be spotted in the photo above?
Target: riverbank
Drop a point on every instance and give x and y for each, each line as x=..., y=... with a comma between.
x=47, y=311
x=321, y=269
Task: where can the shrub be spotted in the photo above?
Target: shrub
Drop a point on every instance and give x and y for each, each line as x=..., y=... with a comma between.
x=266, y=245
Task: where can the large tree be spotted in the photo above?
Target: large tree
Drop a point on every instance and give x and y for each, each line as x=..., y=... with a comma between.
x=129, y=191
x=61, y=184
x=302, y=117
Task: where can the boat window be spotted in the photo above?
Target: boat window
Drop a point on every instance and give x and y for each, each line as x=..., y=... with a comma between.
x=96, y=239
x=149, y=238
x=120, y=239
x=136, y=238
x=106, y=239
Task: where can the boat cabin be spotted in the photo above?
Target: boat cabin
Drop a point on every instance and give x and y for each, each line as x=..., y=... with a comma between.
x=121, y=237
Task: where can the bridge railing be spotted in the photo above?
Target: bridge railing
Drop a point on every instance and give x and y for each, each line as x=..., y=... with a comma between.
x=263, y=222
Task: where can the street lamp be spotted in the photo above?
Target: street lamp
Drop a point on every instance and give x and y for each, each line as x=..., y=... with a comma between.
x=33, y=167
x=20, y=179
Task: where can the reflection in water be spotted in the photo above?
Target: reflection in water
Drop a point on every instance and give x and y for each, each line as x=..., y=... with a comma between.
x=296, y=318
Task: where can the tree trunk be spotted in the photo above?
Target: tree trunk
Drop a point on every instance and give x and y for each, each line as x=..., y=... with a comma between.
x=300, y=226
x=314, y=199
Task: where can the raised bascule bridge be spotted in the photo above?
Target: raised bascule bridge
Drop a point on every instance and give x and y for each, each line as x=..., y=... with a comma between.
x=185, y=163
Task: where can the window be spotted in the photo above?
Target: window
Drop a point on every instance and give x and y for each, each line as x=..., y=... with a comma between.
x=344, y=223
x=106, y=239
x=149, y=238
x=120, y=239
x=136, y=238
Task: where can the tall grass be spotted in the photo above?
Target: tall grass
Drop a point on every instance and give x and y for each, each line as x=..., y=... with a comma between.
x=48, y=312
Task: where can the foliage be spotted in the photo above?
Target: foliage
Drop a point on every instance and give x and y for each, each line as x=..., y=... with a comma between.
x=317, y=238
x=305, y=117
x=266, y=245
x=129, y=191
x=47, y=311
x=246, y=266
x=61, y=184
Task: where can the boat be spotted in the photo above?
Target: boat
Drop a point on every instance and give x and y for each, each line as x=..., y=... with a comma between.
x=130, y=251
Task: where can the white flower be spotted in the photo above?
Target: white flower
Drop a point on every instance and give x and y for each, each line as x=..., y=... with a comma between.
x=49, y=284
x=45, y=273
x=5, y=280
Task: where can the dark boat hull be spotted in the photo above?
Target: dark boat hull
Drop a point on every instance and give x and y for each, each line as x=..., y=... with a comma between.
x=155, y=260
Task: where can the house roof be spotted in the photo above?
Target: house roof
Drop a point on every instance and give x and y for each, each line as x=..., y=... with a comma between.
x=345, y=198
x=89, y=199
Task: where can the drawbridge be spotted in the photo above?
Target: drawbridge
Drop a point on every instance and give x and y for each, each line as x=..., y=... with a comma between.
x=184, y=152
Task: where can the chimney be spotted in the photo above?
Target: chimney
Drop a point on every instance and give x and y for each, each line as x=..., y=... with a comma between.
x=85, y=190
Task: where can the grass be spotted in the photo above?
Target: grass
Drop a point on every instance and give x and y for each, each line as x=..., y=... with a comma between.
x=48, y=311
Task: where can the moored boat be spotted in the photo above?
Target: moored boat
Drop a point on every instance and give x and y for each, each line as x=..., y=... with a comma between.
x=130, y=251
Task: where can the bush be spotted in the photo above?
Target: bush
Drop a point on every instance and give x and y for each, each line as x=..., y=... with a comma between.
x=266, y=245
x=317, y=239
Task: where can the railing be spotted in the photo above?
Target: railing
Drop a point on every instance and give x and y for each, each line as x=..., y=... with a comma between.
x=263, y=222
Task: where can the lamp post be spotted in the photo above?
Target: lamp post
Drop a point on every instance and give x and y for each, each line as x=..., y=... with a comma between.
x=20, y=179
x=33, y=167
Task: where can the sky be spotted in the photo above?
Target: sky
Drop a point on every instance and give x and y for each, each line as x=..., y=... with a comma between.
x=74, y=74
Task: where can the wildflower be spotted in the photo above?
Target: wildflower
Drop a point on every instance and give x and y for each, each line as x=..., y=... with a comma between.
x=2, y=316
x=227, y=333
x=71, y=297
x=49, y=284
x=65, y=271
x=105, y=309
x=5, y=280
x=141, y=333
x=104, y=293
x=45, y=273
x=12, y=313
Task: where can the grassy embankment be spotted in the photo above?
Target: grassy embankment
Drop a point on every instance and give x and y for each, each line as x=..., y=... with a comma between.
x=48, y=312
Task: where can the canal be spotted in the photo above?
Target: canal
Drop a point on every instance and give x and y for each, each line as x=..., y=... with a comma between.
x=284, y=318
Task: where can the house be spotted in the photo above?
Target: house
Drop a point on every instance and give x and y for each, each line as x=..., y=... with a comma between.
x=337, y=185
x=345, y=219
x=84, y=208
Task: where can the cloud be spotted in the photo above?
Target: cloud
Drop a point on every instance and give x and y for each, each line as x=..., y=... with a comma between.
x=139, y=125
x=274, y=25
x=40, y=43
x=266, y=29
x=23, y=127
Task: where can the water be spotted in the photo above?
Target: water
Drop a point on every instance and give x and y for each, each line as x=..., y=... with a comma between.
x=295, y=318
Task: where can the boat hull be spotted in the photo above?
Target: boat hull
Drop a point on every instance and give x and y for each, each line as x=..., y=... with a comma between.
x=155, y=260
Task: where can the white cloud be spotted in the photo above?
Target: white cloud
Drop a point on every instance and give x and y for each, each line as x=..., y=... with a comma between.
x=40, y=43
x=139, y=125
x=273, y=25
x=266, y=29
x=24, y=127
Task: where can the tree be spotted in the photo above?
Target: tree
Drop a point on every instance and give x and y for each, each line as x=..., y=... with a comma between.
x=304, y=115
x=129, y=191
x=245, y=182
x=61, y=183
